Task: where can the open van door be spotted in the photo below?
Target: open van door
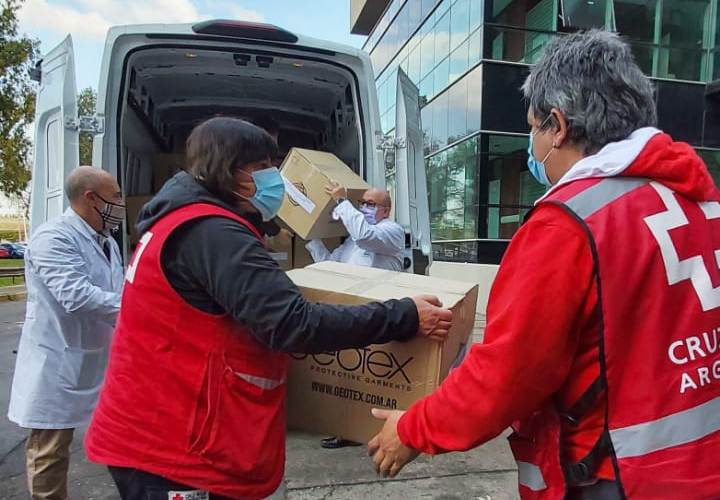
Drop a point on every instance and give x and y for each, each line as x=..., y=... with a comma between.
x=410, y=197
x=56, y=134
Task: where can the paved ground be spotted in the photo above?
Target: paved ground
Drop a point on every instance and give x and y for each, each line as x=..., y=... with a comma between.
x=312, y=473
x=14, y=292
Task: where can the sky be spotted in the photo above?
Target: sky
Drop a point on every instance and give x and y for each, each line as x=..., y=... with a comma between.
x=88, y=20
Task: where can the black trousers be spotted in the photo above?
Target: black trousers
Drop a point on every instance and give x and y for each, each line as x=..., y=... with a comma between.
x=134, y=484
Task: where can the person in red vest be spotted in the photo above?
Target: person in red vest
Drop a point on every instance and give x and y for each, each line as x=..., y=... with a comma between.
x=601, y=348
x=193, y=405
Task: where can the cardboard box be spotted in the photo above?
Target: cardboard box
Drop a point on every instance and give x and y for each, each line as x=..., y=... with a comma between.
x=302, y=258
x=280, y=247
x=333, y=393
x=133, y=204
x=165, y=166
x=307, y=208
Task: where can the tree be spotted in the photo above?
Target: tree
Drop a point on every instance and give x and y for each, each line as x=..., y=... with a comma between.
x=18, y=54
x=87, y=99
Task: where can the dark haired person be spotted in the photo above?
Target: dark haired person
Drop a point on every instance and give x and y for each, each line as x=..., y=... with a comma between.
x=193, y=403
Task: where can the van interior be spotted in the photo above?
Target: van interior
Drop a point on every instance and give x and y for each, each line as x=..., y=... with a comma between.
x=168, y=91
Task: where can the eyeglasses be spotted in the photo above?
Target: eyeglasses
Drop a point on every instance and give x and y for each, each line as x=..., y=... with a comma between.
x=369, y=204
x=542, y=124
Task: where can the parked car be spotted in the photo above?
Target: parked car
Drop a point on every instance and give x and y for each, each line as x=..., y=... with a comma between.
x=13, y=250
x=19, y=250
x=4, y=253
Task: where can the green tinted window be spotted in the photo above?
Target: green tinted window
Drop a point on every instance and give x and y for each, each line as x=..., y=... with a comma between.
x=511, y=189
x=453, y=181
x=712, y=160
x=587, y=14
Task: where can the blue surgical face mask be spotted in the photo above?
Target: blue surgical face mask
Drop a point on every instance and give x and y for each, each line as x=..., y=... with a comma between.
x=269, y=192
x=370, y=214
x=537, y=168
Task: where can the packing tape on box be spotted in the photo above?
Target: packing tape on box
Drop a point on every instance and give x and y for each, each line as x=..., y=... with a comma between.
x=298, y=197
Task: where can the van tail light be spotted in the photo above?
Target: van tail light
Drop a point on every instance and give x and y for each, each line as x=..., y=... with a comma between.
x=243, y=29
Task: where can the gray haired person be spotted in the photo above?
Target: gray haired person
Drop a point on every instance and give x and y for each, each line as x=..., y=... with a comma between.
x=584, y=353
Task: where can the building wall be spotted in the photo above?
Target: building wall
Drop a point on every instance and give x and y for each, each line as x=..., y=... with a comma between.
x=469, y=58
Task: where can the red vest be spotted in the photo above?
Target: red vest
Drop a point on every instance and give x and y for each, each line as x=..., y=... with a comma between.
x=657, y=266
x=189, y=396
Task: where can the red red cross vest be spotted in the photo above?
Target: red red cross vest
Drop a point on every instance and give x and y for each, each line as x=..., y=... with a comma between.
x=657, y=259
x=189, y=396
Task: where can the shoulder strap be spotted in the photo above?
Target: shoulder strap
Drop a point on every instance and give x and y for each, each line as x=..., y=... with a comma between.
x=195, y=210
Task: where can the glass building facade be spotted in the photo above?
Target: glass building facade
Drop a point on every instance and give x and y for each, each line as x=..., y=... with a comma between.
x=469, y=59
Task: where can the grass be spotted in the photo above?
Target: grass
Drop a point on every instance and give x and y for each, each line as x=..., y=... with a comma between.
x=9, y=282
x=12, y=263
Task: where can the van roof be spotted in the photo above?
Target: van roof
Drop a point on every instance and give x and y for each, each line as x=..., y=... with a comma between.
x=186, y=29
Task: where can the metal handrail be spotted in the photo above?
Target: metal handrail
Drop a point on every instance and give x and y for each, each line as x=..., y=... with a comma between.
x=12, y=272
x=469, y=240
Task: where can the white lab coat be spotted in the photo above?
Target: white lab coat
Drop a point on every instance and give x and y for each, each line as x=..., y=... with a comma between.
x=381, y=245
x=73, y=300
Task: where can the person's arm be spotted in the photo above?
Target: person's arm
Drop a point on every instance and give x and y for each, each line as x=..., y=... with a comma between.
x=530, y=341
x=243, y=279
x=318, y=251
x=385, y=239
x=55, y=259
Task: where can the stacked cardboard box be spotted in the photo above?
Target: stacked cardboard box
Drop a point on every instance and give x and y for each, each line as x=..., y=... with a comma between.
x=280, y=247
x=290, y=252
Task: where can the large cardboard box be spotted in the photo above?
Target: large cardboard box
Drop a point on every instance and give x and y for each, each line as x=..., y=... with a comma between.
x=133, y=204
x=333, y=393
x=301, y=256
x=165, y=165
x=307, y=208
x=280, y=247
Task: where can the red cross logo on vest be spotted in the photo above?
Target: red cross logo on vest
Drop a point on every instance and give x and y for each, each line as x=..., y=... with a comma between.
x=699, y=269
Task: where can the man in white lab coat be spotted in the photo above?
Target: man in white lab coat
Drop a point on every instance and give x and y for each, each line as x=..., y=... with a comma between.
x=74, y=277
x=374, y=240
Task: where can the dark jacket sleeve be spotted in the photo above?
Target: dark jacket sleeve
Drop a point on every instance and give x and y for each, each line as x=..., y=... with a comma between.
x=218, y=265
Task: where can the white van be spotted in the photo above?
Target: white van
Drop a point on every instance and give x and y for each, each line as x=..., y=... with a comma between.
x=158, y=81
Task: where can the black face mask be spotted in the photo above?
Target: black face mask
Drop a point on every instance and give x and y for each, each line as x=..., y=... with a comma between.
x=112, y=214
